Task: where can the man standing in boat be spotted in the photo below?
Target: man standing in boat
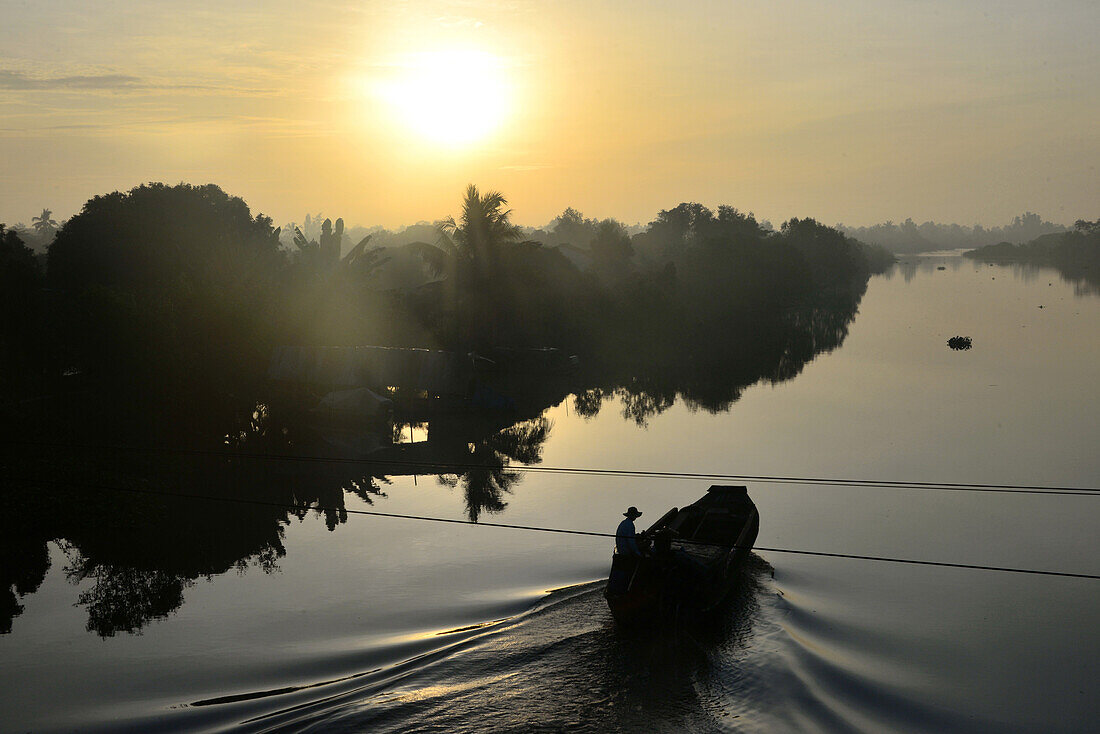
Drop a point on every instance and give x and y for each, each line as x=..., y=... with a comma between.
x=626, y=543
x=627, y=554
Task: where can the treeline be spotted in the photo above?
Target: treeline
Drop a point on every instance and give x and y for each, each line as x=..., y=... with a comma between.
x=163, y=304
x=180, y=290
x=909, y=236
x=1076, y=253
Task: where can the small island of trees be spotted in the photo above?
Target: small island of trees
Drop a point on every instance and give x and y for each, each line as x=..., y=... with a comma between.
x=1075, y=254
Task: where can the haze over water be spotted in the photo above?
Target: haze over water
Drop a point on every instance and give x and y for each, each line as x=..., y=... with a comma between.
x=302, y=303
x=389, y=624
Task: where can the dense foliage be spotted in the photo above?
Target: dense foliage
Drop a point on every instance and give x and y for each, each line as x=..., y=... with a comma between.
x=21, y=300
x=165, y=289
x=166, y=286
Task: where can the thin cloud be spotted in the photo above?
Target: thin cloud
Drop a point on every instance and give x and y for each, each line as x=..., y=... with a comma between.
x=268, y=127
x=19, y=81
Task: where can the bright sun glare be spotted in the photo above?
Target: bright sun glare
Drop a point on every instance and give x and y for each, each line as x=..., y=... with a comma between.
x=453, y=97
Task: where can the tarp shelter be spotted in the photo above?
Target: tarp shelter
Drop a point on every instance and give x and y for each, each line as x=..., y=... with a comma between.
x=334, y=368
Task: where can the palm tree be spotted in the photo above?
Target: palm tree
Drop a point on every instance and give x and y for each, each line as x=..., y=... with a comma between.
x=483, y=230
x=359, y=262
x=469, y=251
x=287, y=230
x=43, y=224
x=478, y=238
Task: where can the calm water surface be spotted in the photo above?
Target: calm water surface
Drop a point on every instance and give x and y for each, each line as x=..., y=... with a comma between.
x=396, y=625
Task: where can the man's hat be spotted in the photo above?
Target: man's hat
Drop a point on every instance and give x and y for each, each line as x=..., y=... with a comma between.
x=632, y=513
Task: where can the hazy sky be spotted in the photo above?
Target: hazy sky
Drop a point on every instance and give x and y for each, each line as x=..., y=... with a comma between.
x=852, y=111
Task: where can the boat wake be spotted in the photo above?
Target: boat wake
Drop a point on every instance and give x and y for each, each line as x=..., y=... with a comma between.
x=776, y=658
x=561, y=664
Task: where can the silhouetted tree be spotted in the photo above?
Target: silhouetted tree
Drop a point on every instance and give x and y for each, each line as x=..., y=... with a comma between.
x=830, y=255
x=43, y=224
x=570, y=227
x=472, y=248
x=168, y=284
x=20, y=308
x=13, y=251
x=1086, y=227
x=611, y=250
x=1075, y=254
x=674, y=230
x=483, y=229
x=322, y=259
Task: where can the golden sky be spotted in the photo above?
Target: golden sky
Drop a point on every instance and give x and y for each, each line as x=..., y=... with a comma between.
x=852, y=111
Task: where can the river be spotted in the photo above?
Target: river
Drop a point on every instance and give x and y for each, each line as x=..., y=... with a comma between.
x=365, y=623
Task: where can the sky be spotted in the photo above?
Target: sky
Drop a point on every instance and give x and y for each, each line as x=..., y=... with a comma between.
x=852, y=111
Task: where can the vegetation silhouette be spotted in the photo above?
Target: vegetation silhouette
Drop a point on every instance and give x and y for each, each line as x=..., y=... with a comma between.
x=44, y=224
x=1074, y=254
x=162, y=306
x=910, y=237
x=725, y=302
x=166, y=288
x=22, y=343
x=612, y=251
x=960, y=343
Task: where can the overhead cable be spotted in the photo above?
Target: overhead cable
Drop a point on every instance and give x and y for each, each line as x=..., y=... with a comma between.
x=451, y=467
x=562, y=531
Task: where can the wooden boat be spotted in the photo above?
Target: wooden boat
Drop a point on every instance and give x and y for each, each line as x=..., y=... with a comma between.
x=691, y=556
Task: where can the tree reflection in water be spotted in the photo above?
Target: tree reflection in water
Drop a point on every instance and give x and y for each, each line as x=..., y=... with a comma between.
x=485, y=486
x=711, y=364
x=124, y=599
x=136, y=551
x=23, y=568
x=133, y=538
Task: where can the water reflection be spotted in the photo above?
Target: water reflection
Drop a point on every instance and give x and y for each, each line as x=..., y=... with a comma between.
x=133, y=546
x=1084, y=279
x=484, y=487
x=710, y=366
x=135, y=510
x=140, y=527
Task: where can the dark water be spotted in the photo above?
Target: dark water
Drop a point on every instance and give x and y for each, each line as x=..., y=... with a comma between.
x=252, y=619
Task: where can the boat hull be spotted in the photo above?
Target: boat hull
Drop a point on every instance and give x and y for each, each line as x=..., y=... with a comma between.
x=690, y=575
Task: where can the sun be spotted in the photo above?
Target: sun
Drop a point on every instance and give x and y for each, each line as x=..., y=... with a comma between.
x=453, y=98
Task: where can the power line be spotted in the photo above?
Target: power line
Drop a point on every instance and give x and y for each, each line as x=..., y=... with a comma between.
x=449, y=467
x=561, y=531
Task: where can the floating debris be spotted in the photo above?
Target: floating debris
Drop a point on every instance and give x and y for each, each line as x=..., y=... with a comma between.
x=960, y=342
